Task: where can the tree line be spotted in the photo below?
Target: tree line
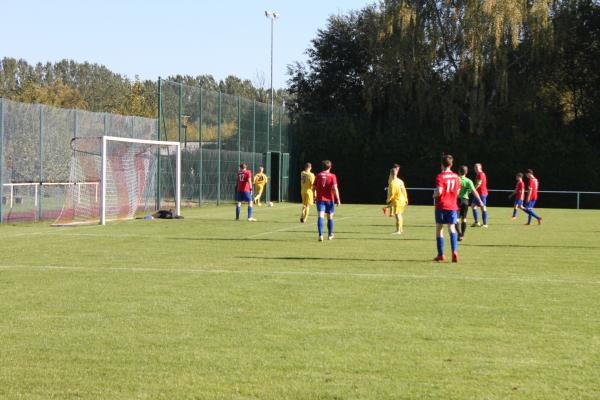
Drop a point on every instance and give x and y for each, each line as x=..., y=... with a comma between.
x=513, y=84
x=94, y=87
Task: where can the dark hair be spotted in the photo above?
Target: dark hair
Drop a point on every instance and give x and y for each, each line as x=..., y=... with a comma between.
x=243, y=165
x=447, y=160
x=519, y=175
x=307, y=165
x=463, y=169
x=530, y=171
x=327, y=164
x=397, y=166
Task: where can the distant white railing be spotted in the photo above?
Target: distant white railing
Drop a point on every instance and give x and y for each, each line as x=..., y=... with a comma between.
x=571, y=192
x=37, y=185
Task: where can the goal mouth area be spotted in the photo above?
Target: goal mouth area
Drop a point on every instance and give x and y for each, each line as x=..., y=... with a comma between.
x=127, y=178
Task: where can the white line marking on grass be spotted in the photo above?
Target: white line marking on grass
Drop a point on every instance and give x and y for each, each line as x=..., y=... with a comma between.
x=303, y=273
x=289, y=228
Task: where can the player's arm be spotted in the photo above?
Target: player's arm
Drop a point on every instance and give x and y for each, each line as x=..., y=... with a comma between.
x=477, y=196
x=439, y=188
x=528, y=194
x=337, y=194
x=405, y=195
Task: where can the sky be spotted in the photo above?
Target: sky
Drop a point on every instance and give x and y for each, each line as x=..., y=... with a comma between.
x=161, y=38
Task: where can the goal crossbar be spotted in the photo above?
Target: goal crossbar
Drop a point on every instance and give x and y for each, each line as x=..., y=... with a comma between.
x=107, y=139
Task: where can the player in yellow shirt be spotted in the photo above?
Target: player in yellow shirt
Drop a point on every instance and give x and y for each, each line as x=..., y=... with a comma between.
x=307, y=179
x=390, y=178
x=397, y=198
x=260, y=181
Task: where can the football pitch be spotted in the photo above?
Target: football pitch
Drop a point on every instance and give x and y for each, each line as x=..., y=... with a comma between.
x=211, y=308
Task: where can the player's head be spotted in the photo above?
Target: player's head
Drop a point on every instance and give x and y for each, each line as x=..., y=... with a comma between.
x=478, y=167
x=519, y=176
x=243, y=165
x=394, y=171
x=327, y=165
x=307, y=167
x=529, y=173
x=261, y=169
x=447, y=161
x=463, y=170
x=396, y=167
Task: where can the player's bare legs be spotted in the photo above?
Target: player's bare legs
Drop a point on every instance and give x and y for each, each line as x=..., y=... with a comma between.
x=399, y=224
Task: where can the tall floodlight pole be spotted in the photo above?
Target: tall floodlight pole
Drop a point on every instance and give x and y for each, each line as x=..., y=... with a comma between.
x=272, y=15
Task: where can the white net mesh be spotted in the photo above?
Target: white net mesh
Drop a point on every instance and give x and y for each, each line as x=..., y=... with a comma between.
x=131, y=171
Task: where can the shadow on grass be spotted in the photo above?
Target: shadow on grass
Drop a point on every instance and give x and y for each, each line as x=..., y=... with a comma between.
x=304, y=258
x=532, y=246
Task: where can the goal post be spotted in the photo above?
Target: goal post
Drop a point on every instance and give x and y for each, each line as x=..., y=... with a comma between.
x=126, y=173
x=105, y=142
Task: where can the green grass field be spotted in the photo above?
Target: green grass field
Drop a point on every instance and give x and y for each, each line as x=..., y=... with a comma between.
x=210, y=308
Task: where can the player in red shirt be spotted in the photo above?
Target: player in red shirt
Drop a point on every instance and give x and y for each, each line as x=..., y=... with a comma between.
x=447, y=186
x=326, y=194
x=482, y=190
x=532, y=195
x=519, y=195
x=244, y=191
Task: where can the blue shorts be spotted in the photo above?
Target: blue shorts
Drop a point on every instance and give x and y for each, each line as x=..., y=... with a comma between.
x=531, y=204
x=446, y=217
x=483, y=202
x=327, y=206
x=518, y=203
x=244, y=197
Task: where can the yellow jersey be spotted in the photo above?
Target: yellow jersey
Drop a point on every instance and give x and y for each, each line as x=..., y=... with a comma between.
x=397, y=193
x=306, y=181
x=260, y=179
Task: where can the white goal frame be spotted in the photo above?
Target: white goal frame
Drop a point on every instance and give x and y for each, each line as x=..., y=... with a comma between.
x=106, y=139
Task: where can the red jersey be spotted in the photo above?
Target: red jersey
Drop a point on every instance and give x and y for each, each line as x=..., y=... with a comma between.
x=324, y=183
x=482, y=189
x=520, y=190
x=448, y=184
x=533, y=188
x=244, y=181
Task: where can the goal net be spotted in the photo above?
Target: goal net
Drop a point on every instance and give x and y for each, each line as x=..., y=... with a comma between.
x=113, y=178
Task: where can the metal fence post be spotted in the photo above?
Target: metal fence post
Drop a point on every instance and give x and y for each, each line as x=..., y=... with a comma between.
x=200, y=140
x=1, y=158
x=105, y=123
x=219, y=150
x=578, y=198
x=75, y=123
x=239, y=120
x=254, y=135
x=158, y=167
x=41, y=175
x=180, y=110
x=280, y=159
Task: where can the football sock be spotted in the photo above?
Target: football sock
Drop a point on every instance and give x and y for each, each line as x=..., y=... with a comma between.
x=249, y=212
x=529, y=218
x=484, y=217
x=533, y=214
x=330, y=226
x=306, y=210
x=454, y=241
x=476, y=215
x=320, y=226
x=399, y=225
x=463, y=228
x=237, y=212
x=515, y=212
x=440, y=245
